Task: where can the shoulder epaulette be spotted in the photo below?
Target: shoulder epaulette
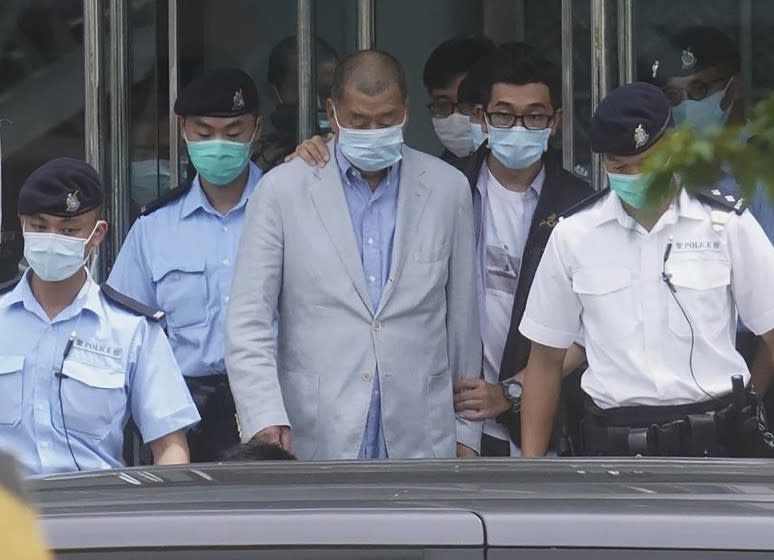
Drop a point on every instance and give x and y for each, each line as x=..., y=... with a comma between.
x=724, y=201
x=10, y=284
x=585, y=203
x=131, y=305
x=166, y=198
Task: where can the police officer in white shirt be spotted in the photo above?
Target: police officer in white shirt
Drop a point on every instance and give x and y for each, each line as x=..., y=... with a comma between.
x=656, y=287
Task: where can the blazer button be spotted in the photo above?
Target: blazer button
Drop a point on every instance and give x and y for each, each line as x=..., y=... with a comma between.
x=367, y=376
x=377, y=326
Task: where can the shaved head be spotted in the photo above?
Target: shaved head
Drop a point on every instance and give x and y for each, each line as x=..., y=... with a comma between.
x=370, y=72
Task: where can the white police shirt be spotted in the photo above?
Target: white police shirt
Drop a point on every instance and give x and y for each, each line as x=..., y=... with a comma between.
x=603, y=272
x=119, y=363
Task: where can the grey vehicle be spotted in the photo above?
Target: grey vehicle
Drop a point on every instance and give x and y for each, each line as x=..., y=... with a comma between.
x=423, y=510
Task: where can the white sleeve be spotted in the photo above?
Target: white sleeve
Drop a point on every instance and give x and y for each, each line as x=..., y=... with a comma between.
x=752, y=268
x=552, y=315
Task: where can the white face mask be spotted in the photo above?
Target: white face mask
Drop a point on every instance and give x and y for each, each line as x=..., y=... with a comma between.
x=55, y=257
x=454, y=133
x=705, y=113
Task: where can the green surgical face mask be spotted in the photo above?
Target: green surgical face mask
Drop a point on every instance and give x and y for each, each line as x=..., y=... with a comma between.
x=219, y=162
x=632, y=189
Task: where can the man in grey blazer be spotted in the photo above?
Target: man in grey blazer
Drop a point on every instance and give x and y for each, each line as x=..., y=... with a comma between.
x=370, y=264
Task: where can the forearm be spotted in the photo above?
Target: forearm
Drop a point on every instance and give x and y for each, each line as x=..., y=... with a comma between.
x=762, y=367
x=171, y=449
x=539, y=403
x=575, y=358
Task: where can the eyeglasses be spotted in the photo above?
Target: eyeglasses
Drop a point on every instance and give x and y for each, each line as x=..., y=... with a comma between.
x=509, y=120
x=696, y=90
x=443, y=109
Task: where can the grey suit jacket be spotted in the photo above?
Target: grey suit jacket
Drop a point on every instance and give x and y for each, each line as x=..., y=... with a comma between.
x=298, y=255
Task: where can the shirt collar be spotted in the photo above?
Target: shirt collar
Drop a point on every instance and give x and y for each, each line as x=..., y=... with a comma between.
x=346, y=169
x=683, y=206
x=195, y=198
x=87, y=298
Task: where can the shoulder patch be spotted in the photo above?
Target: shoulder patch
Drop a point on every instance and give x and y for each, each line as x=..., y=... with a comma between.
x=6, y=287
x=585, y=203
x=718, y=199
x=131, y=305
x=163, y=200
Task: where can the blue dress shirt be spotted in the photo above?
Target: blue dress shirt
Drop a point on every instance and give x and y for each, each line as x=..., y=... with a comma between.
x=118, y=363
x=373, y=214
x=180, y=259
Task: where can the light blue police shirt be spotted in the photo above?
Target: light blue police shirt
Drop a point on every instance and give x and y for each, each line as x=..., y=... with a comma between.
x=180, y=259
x=119, y=363
x=373, y=216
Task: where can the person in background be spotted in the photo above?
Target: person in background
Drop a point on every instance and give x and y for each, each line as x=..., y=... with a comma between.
x=654, y=282
x=444, y=70
x=517, y=196
x=77, y=359
x=699, y=69
x=369, y=261
x=469, y=96
x=179, y=255
x=280, y=135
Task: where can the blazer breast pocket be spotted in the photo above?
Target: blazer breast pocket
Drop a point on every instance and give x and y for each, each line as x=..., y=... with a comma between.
x=432, y=252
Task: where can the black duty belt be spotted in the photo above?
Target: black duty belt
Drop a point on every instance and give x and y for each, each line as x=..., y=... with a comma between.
x=685, y=430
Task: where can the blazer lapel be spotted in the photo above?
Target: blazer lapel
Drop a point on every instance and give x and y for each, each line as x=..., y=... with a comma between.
x=327, y=193
x=412, y=198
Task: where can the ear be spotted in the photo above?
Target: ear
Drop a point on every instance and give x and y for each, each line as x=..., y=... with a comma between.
x=557, y=123
x=329, y=108
x=21, y=221
x=258, y=127
x=181, y=125
x=100, y=233
x=734, y=93
x=481, y=116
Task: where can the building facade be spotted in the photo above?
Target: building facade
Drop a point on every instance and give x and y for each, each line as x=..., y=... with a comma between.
x=96, y=79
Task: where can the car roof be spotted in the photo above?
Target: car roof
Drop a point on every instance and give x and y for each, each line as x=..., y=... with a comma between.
x=575, y=503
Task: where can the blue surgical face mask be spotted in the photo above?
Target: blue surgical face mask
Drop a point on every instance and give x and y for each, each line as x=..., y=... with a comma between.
x=219, y=162
x=371, y=149
x=631, y=189
x=518, y=147
x=53, y=257
x=479, y=136
x=705, y=113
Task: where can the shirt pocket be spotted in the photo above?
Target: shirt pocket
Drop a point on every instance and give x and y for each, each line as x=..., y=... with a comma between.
x=11, y=368
x=93, y=399
x=181, y=291
x=606, y=295
x=702, y=289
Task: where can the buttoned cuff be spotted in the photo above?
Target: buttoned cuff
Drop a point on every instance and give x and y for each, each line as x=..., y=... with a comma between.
x=469, y=434
x=762, y=324
x=183, y=419
x=546, y=335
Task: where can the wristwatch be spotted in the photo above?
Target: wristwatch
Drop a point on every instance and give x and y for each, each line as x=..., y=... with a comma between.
x=513, y=390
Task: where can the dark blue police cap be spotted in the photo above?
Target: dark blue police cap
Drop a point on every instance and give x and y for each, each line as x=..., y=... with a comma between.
x=223, y=92
x=630, y=120
x=63, y=187
x=688, y=52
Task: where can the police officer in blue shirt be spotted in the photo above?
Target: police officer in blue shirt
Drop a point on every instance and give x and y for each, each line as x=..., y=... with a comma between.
x=77, y=359
x=179, y=255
